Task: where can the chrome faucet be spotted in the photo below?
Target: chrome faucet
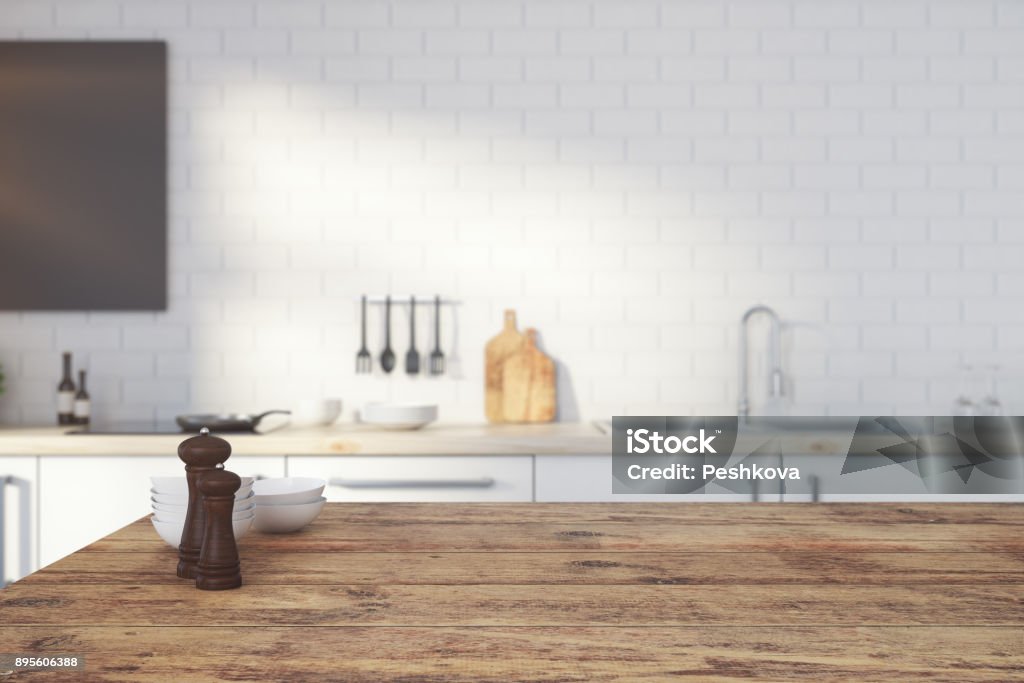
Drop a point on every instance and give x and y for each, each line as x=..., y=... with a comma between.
x=774, y=353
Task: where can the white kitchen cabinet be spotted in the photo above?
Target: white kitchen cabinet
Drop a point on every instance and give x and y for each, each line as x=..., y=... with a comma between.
x=588, y=479
x=821, y=480
x=490, y=478
x=18, y=523
x=83, y=498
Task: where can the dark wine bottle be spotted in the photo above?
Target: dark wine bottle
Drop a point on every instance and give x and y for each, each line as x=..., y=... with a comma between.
x=83, y=406
x=66, y=394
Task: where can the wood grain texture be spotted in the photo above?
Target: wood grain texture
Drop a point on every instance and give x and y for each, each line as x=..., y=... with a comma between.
x=583, y=567
x=539, y=654
x=561, y=654
x=725, y=514
x=324, y=537
x=536, y=592
x=496, y=351
x=517, y=605
x=528, y=384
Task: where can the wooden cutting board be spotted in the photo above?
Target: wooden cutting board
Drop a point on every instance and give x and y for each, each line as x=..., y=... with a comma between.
x=496, y=352
x=528, y=384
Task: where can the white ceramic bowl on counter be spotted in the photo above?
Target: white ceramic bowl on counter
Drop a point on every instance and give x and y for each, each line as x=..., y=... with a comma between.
x=246, y=503
x=182, y=499
x=398, y=415
x=283, y=519
x=179, y=515
x=288, y=490
x=315, y=412
x=178, y=486
x=170, y=532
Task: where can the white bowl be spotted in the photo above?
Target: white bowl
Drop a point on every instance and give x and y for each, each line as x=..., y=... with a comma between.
x=244, y=504
x=180, y=519
x=283, y=519
x=178, y=486
x=288, y=490
x=175, y=499
x=182, y=501
x=176, y=516
x=399, y=415
x=315, y=412
x=171, y=531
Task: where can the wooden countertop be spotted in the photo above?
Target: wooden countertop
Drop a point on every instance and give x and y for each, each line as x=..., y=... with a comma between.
x=342, y=439
x=540, y=592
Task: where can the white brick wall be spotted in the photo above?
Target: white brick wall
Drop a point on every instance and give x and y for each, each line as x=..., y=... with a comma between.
x=629, y=176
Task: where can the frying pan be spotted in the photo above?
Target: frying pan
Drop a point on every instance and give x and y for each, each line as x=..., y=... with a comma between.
x=225, y=422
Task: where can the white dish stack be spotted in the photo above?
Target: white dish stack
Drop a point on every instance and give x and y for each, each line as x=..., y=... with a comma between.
x=169, y=498
x=287, y=504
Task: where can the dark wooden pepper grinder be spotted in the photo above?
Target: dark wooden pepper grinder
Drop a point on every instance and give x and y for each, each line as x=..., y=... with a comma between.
x=201, y=454
x=218, y=567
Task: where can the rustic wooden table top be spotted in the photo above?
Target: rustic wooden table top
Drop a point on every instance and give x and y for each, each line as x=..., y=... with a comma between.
x=541, y=592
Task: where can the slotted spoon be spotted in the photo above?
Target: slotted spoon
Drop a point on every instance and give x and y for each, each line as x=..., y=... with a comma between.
x=436, y=356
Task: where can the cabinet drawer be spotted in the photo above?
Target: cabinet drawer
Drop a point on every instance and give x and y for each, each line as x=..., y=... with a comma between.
x=588, y=479
x=820, y=479
x=420, y=479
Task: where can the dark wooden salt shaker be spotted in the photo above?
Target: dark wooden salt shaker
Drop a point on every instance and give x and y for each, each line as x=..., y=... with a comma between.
x=218, y=567
x=201, y=454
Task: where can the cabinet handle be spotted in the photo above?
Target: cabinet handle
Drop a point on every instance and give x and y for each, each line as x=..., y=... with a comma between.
x=481, y=483
x=4, y=481
x=24, y=526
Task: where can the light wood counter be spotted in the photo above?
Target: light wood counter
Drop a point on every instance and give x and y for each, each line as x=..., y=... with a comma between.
x=342, y=439
x=540, y=592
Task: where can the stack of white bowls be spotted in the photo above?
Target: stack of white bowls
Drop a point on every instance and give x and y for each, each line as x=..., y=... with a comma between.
x=287, y=504
x=169, y=497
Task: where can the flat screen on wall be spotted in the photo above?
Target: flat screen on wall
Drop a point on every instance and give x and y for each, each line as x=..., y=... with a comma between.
x=83, y=175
